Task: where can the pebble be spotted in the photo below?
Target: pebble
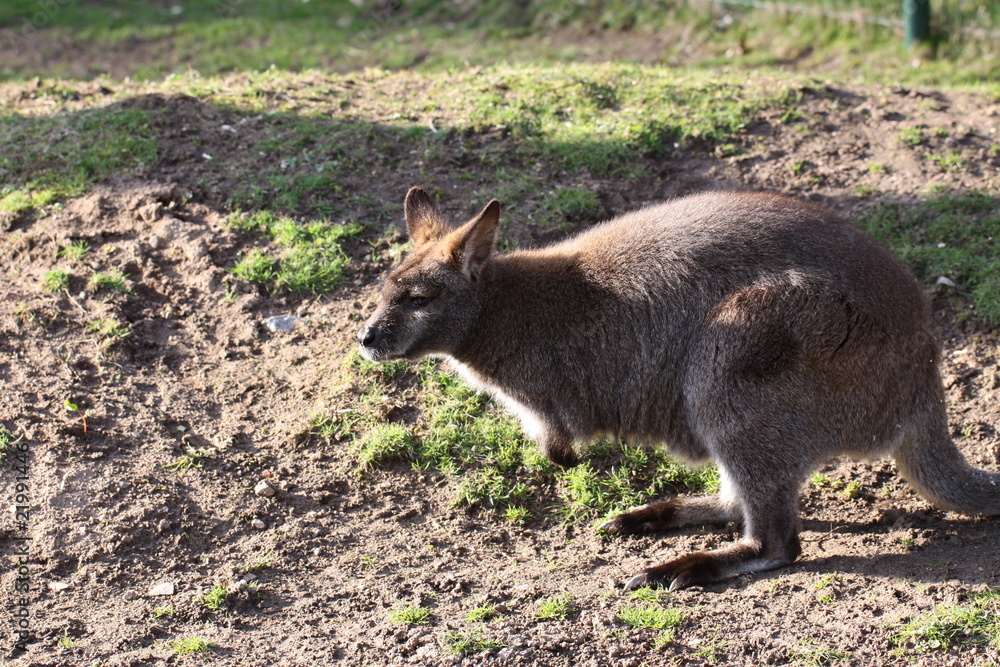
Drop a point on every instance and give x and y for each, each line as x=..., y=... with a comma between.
x=281, y=323
x=264, y=488
x=128, y=596
x=165, y=588
x=163, y=526
x=258, y=524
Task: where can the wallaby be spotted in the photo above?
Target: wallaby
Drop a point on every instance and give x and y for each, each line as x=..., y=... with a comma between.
x=754, y=330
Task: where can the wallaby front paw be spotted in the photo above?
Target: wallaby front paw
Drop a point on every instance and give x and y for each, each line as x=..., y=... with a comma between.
x=623, y=524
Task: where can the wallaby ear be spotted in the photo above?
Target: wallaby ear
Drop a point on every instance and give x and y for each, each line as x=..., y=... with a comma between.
x=476, y=242
x=423, y=221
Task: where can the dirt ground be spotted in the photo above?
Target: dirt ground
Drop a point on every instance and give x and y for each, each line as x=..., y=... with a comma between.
x=332, y=552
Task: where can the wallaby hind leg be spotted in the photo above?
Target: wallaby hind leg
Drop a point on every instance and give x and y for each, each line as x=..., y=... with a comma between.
x=770, y=540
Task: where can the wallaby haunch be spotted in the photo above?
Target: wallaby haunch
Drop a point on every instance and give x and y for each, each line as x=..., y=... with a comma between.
x=750, y=329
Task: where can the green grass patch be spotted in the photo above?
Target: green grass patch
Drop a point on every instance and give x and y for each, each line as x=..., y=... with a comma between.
x=215, y=599
x=383, y=443
x=163, y=612
x=311, y=256
x=46, y=158
x=491, y=464
x=109, y=327
x=517, y=514
x=948, y=625
x=652, y=616
x=862, y=37
x=22, y=199
x=56, y=280
x=954, y=236
x=602, y=119
x=411, y=615
x=555, y=608
x=569, y=205
x=8, y=441
x=622, y=476
x=190, y=459
x=189, y=645
x=113, y=281
x=76, y=251
x=481, y=614
x=813, y=654
x=462, y=643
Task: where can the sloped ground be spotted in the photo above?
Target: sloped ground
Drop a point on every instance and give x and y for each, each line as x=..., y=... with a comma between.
x=335, y=550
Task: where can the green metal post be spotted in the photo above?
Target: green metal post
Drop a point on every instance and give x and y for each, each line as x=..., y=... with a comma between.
x=918, y=20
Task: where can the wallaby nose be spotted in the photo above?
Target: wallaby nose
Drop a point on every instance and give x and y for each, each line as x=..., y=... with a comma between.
x=367, y=336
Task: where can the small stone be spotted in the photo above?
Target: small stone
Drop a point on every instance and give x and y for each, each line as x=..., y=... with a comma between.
x=163, y=526
x=56, y=586
x=281, y=323
x=164, y=588
x=264, y=488
x=317, y=551
x=128, y=596
x=258, y=524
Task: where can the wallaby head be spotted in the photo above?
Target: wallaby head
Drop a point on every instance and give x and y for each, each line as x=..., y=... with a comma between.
x=431, y=300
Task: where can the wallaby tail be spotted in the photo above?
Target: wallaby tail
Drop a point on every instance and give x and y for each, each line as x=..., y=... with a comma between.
x=932, y=464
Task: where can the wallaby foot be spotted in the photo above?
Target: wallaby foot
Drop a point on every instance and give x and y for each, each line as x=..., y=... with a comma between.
x=706, y=567
x=674, y=513
x=770, y=525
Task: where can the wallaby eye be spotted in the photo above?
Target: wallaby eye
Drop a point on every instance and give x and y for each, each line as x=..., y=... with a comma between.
x=418, y=301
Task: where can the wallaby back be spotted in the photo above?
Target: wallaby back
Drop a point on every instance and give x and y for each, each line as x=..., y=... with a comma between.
x=754, y=330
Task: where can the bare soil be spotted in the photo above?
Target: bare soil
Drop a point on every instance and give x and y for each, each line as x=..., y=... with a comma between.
x=334, y=551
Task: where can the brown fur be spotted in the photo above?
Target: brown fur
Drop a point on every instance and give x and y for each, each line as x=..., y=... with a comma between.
x=750, y=329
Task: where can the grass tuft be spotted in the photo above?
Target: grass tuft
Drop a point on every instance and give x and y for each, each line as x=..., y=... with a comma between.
x=481, y=614
x=652, y=616
x=56, y=280
x=76, y=251
x=410, y=615
x=190, y=645
x=215, y=599
x=555, y=608
x=465, y=643
x=115, y=281
x=948, y=625
x=812, y=654
x=110, y=327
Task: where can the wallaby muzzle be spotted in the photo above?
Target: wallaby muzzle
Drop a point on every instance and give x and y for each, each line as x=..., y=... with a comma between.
x=373, y=341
